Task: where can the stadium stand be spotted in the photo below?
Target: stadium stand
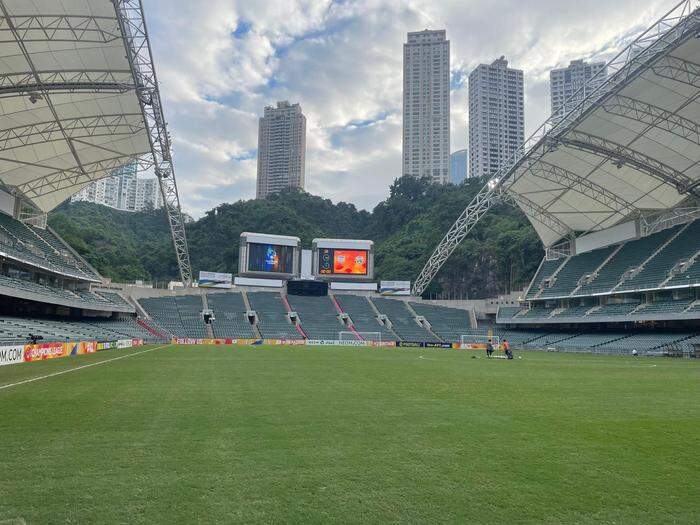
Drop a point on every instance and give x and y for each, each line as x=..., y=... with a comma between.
x=17, y=329
x=508, y=312
x=657, y=269
x=448, y=323
x=630, y=256
x=318, y=316
x=190, y=309
x=40, y=248
x=614, y=309
x=689, y=276
x=668, y=306
x=363, y=318
x=179, y=316
x=55, y=295
x=273, y=321
x=537, y=311
x=546, y=270
x=572, y=312
x=230, y=316
x=574, y=269
x=402, y=320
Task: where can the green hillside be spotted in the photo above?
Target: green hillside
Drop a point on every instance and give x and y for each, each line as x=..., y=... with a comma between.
x=500, y=254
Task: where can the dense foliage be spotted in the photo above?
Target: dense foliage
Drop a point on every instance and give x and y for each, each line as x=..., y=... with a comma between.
x=499, y=255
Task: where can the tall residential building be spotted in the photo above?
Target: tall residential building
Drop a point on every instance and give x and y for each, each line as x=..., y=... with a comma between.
x=123, y=191
x=569, y=85
x=496, y=116
x=426, y=105
x=148, y=195
x=458, y=166
x=281, y=149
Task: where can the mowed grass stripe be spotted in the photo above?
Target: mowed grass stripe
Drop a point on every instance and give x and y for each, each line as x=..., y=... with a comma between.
x=75, y=366
x=260, y=434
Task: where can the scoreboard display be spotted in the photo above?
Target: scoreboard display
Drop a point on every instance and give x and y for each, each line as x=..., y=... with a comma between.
x=343, y=260
x=267, y=256
x=334, y=261
x=270, y=258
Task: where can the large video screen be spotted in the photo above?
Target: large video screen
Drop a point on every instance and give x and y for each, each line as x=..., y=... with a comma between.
x=332, y=261
x=272, y=258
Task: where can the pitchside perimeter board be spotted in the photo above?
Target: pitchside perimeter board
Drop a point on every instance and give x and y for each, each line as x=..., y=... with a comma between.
x=272, y=256
x=343, y=259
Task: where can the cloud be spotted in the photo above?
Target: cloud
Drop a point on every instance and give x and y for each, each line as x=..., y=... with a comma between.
x=220, y=62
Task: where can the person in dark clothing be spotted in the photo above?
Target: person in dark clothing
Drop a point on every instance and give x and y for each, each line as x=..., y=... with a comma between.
x=489, y=349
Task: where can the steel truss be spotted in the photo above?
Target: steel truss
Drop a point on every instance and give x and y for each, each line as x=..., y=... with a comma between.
x=61, y=28
x=65, y=81
x=75, y=128
x=648, y=51
x=57, y=180
x=571, y=181
x=623, y=155
x=677, y=69
x=133, y=29
x=653, y=116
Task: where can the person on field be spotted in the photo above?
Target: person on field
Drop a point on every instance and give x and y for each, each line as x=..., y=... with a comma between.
x=489, y=349
x=506, y=349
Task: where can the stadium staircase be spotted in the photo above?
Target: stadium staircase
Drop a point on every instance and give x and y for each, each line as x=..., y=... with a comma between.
x=273, y=317
x=587, y=278
x=350, y=325
x=548, y=271
x=402, y=321
x=422, y=321
x=230, y=316
x=449, y=324
x=318, y=316
x=654, y=270
x=364, y=318
x=255, y=315
x=150, y=329
x=207, y=327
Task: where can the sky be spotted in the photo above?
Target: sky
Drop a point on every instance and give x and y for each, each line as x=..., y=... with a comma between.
x=220, y=62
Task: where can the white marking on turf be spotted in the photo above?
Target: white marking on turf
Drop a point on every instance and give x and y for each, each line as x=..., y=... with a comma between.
x=31, y=380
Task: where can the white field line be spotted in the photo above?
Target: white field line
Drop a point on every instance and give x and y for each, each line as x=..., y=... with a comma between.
x=31, y=380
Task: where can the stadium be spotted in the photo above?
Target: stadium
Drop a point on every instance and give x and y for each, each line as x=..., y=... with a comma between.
x=304, y=390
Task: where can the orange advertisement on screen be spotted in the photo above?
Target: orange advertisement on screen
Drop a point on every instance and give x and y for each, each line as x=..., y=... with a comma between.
x=353, y=262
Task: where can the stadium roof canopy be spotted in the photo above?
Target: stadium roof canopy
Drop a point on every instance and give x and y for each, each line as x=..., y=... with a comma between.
x=630, y=149
x=626, y=148
x=69, y=111
x=79, y=98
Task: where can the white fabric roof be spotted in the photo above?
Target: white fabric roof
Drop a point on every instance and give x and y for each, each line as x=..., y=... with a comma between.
x=69, y=114
x=634, y=150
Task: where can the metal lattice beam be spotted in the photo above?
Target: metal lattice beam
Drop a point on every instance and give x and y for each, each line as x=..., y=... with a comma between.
x=61, y=28
x=537, y=212
x=653, y=116
x=488, y=197
x=65, y=80
x=60, y=179
x=571, y=181
x=623, y=155
x=75, y=128
x=677, y=69
x=133, y=29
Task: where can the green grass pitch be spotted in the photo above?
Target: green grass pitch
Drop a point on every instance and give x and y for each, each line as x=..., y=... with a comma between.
x=187, y=434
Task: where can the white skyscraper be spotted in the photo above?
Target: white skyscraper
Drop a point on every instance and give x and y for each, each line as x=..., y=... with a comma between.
x=426, y=105
x=496, y=116
x=281, y=149
x=568, y=86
